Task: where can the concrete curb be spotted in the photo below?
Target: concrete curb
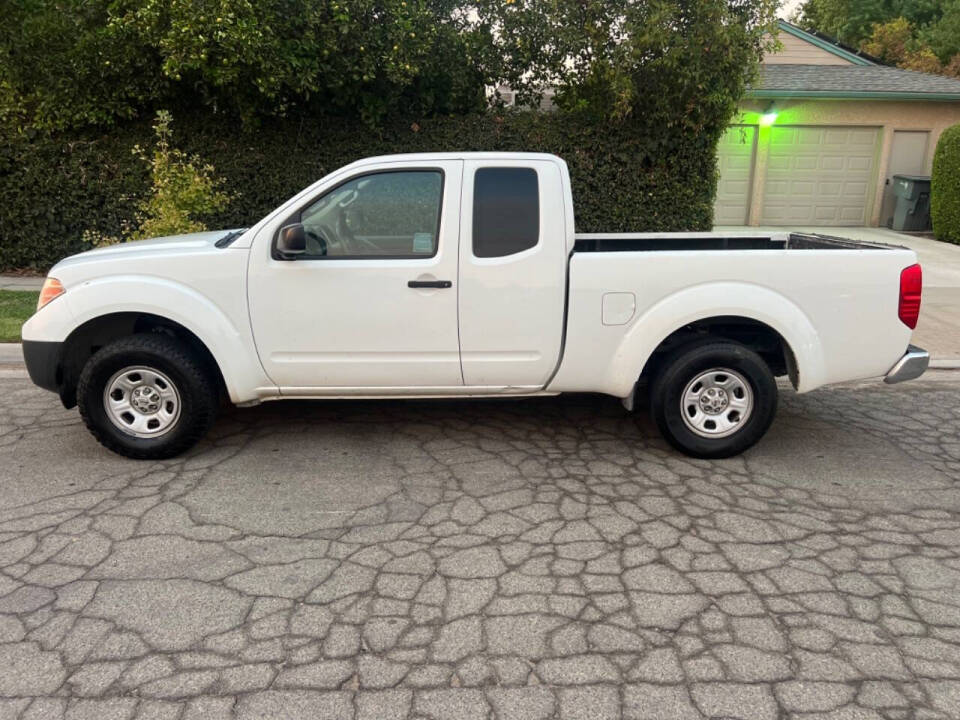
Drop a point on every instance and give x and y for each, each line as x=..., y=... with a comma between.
x=20, y=283
x=11, y=354
x=945, y=364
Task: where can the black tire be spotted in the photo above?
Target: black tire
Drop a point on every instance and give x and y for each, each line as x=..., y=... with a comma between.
x=197, y=395
x=685, y=365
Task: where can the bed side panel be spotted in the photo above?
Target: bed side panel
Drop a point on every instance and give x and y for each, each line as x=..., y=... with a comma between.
x=836, y=308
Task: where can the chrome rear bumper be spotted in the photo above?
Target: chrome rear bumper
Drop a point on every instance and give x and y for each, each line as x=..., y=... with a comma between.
x=912, y=365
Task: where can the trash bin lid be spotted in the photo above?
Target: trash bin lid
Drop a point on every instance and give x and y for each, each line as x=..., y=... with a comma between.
x=913, y=178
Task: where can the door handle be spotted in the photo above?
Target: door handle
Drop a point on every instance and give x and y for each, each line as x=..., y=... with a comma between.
x=430, y=284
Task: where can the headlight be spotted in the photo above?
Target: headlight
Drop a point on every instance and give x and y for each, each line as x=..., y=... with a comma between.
x=51, y=290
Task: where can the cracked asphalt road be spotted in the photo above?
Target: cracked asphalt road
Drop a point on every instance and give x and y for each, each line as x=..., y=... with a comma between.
x=547, y=558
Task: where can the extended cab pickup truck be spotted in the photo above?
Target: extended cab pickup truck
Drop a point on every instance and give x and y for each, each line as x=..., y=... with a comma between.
x=460, y=275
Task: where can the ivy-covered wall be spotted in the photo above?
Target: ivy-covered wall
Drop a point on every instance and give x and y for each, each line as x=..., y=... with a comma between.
x=637, y=175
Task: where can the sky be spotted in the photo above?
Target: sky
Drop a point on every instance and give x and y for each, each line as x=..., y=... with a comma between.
x=787, y=8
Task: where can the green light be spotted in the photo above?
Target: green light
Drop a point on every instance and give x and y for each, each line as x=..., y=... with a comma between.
x=768, y=119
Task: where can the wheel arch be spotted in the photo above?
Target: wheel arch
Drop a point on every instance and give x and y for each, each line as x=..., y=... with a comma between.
x=735, y=311
x=113, y=303
x=763, y=339
x=98, y=331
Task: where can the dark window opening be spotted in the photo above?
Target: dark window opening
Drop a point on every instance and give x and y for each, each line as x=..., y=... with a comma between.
x=506, y=211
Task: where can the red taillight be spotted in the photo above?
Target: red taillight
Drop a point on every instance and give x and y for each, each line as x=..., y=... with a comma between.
x=911, y=285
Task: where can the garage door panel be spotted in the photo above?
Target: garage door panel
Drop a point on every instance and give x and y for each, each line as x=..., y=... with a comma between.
x=837, y=137
x=776, y=215
x=735, y=156
x=853, y=215
x=806, y=136
x=862, y=136
x=819, y=175
x=783, y=136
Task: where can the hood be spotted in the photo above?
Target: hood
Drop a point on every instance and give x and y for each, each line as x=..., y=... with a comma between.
x=171, y=242
x=187, y=244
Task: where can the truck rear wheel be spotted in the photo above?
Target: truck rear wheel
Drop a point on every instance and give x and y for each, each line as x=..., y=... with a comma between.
x=714, y=399
x=146, y=397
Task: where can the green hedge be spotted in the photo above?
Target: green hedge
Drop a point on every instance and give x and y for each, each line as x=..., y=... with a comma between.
x=945, y=187
x=626, y=177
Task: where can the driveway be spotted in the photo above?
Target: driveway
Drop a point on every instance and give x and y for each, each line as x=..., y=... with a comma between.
x=546, y=558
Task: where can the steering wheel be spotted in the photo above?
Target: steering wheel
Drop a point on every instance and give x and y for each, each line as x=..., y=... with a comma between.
x=345, y=235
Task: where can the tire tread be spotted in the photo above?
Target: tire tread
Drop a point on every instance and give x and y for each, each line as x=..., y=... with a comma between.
x=203, y=396
x=765, y=398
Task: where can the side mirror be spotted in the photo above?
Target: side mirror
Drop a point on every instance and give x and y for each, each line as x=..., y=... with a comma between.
x=291, y=242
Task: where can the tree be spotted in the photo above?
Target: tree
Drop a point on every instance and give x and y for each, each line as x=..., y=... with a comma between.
x=76, y=62
x=952, y=68
x=852, y=21
x=890, y=41
x=70, y=63
x=267, y=55
x=923, y=60
x=943, y=36
x=686, y=64
x=62, y=65
x=895, y=42
x=921, y=35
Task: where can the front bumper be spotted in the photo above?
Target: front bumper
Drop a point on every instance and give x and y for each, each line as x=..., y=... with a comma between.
x=912, y=365
x=43, y=363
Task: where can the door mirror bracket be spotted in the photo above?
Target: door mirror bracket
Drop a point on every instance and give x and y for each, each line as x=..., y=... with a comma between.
x=291, y=242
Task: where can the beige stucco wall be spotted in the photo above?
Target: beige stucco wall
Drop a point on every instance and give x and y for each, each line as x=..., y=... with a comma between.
x=933, y=117
x=795, y=51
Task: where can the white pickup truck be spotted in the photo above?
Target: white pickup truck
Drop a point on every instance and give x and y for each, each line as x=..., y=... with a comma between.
x=460, y=275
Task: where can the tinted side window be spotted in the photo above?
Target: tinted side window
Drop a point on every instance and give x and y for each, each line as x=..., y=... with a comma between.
x=506, y=211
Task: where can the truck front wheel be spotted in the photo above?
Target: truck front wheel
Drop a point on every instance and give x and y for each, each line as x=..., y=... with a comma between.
x=713, y=400
x=146, y=397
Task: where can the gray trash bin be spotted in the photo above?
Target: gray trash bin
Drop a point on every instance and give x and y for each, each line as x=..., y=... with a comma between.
x=912, y=211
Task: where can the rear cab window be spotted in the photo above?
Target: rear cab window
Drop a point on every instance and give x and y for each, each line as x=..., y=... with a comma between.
x=506, y=211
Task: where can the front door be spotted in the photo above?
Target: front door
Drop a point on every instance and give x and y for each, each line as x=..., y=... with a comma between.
x=373, y=302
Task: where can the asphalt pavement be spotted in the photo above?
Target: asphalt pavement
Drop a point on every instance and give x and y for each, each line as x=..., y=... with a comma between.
x=546, y=558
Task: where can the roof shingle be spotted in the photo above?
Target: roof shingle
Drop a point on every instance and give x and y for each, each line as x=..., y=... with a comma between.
x=853, y=80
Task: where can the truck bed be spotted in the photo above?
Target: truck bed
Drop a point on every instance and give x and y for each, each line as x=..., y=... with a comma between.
x=650, y=242
x=833, y=301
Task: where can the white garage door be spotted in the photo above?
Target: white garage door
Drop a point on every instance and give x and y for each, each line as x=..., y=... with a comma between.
x=735, y=163
x=819, y=175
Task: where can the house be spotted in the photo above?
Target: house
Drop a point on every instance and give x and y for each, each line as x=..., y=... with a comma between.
x=821, y=133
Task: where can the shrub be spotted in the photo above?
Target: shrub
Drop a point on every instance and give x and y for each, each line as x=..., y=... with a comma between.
x=945, y=187
x=628, y=176
x=182, y=189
